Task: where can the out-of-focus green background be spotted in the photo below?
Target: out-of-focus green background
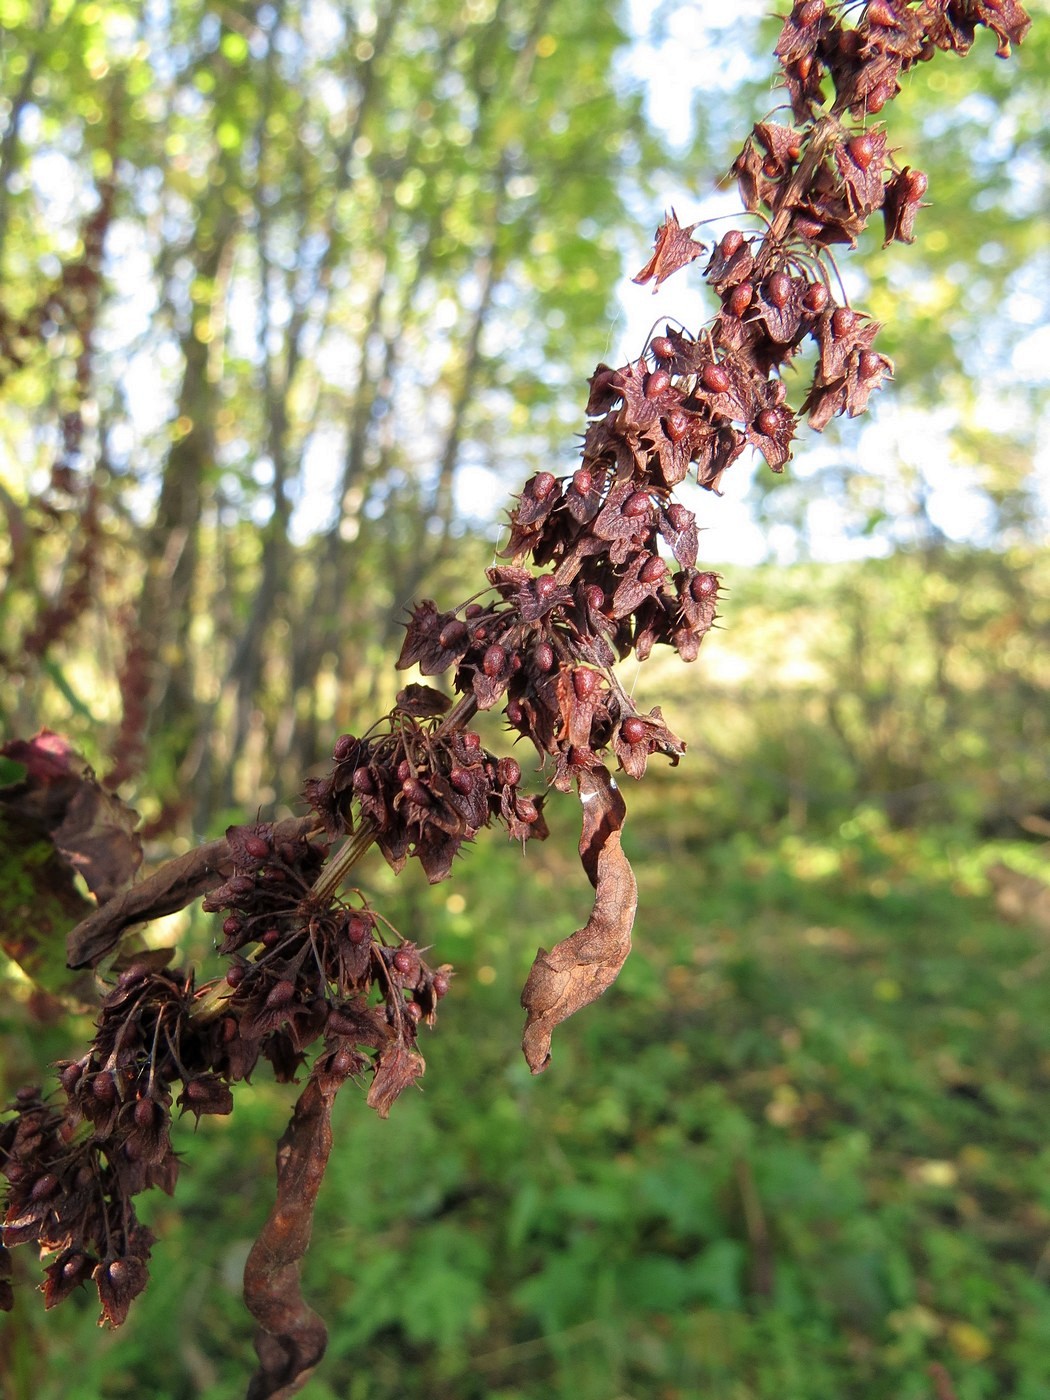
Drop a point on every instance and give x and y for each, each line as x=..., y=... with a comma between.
x=358, y=264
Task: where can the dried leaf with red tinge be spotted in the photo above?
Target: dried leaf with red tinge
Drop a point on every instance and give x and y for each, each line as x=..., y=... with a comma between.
x=290, y=1338
x=674, y=249
x=576, y=971
x=397, y=1067
x=91, y=828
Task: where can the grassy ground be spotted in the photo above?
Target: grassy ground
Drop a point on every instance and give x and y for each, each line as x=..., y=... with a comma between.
x=799, y=1152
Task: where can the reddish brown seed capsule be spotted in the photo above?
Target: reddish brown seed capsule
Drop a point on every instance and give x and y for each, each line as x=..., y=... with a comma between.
x=461, y=780
x=862, y=148
x=545, y=586
x=653, y=569
x=582, y=481
x=662, y=348
x=816, y=298
x=103, y=1087
x=232, y=926
x=526, y=810
x=584, y=683
x=240, y=884
x=363, y=781
x=676, y=424
x=452, y=633
x=679, y=516
x=473, y=610
x=359, y=929
x=543, y=656
x=44, y=1186
x=917, y=184
x=633, y=730
x=236, y=975
x=508, y=772
x=405, y=770
x=414, y=1010
x=636, y=505
x=657, y=383
x=281, y=993
x=715, y=378
x=471, y=739
x=344, y=747
x=342, y=1062
x=767, y=422
x=778, y=289
x=808, y=12
x=404, y=962
x=842, y=322
x=144, y=1113
x=731, y=241
x=740, y=298
x=542, y=484
x=440, y=985
x=771, y=168
x=515, y=714
x=869, y=364
x=271, y=938
x=494, y=660
x=70, y=1076
x=703, y=585
x=595, y=596
x=415, y=792
x=880, y=13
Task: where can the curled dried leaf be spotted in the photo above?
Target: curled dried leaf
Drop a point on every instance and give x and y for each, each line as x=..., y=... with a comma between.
x=290, y=1338
x=580, y=968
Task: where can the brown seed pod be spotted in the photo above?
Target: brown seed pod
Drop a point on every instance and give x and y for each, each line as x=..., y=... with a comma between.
x=508, y=772
x=654, y=568
x=715, y=378
x=778, y=289
x=633, y=730
x=584, y=682
x=676, y=424
x=494, y=660
x=740, y=298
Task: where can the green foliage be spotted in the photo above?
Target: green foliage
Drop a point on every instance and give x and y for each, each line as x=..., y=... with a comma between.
x=912, y=683
x=796, y=1151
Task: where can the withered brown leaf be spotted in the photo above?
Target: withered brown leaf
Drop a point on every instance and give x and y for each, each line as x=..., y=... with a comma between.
x=93, y=830
x=581, y=967
x=290, y=1338
x=674, y=249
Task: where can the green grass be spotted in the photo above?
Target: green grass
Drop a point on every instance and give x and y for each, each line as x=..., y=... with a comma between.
x=797, y=1153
